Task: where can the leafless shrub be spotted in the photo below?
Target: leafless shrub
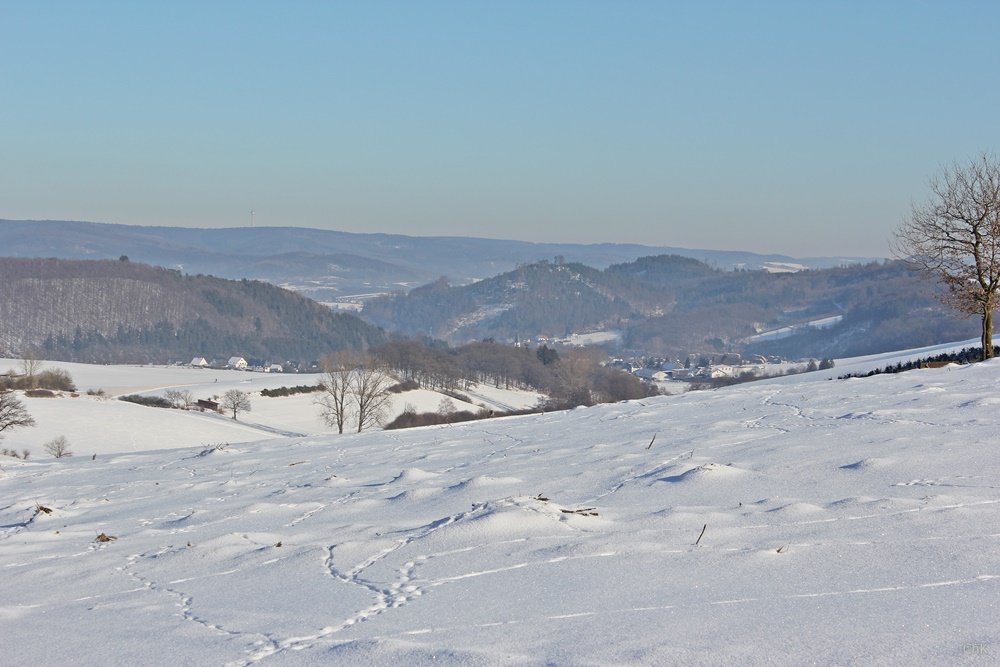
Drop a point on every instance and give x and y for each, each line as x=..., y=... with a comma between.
x=23, y=454
x=40, y=393
x=58, y=447
x=55, y=378
x=181, y=399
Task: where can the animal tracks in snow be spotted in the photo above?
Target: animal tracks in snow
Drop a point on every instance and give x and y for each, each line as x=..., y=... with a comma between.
x=782, y=512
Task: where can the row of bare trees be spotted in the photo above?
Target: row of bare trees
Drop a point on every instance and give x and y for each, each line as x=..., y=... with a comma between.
x=355, y=391
x=571, y=376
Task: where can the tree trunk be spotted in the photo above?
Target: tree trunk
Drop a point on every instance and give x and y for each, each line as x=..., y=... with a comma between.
x=987, y=339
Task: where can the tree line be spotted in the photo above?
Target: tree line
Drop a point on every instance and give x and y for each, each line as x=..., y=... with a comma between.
x=570, y=376
x=355, y=390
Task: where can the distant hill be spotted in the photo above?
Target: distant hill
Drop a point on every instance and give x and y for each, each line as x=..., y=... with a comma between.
x=124, y=311
x=328, y=265
x=671, y=305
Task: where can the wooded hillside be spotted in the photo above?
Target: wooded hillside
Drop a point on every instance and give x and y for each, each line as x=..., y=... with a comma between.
x=122, y=311
x=670, y=305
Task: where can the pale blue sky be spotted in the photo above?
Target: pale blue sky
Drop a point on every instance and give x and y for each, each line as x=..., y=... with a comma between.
x=805, y=128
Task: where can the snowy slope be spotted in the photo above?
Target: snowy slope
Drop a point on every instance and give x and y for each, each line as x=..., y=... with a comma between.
x=122, y=379
x=95, y=425
x=845, y=521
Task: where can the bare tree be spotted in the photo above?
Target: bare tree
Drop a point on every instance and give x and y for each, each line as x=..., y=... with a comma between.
x=179, y=398
x=58, y=447
x=574, y=371
x=30, y=365
x=236, y=401
x=12, y=412
x=447, y=407
x=370, y=386
x=336, y=400
x=955, y=238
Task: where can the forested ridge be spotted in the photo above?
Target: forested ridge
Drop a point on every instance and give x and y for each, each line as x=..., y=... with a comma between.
x=672, y=305
x=122, y=311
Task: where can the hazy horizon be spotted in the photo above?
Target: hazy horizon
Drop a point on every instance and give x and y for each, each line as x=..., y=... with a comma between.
x=770, y=127
x=484, y=237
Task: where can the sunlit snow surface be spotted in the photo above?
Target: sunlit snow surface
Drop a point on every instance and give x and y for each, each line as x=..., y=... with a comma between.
x=102, y=425
x=845, y=521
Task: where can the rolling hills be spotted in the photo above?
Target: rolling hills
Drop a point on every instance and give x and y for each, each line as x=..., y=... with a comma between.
x=671, y=305
x=330, y=265
x=697, y=302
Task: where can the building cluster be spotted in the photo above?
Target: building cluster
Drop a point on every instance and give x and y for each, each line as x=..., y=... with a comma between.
x=702, y=367
x=238, y=364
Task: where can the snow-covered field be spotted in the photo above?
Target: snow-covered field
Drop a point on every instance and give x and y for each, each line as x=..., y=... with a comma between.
x=102, y=425
x=785, y=332
x=593, y=338
x=793, y=521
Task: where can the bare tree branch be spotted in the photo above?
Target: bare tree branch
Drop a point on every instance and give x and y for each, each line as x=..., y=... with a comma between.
x=955, y=239
x=31, y=363
x=335, y=401
x=370, y=384
x=235, y=401
x=12, y=412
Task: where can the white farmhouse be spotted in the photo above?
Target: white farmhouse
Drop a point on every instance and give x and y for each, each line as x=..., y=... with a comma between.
x=652, y=375
x=239, y=363
x=721, y=371
x=199, y=362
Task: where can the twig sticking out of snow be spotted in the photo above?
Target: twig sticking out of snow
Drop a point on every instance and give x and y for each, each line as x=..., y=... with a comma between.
x=583, y=511
x=703, y=529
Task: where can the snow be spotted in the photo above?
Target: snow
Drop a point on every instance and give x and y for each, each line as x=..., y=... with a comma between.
x=836, y=521
x=785, y=332
x=503, y=399
x=118, y=380
x=592, y=338
x=103, y=425
x=345, y=306
x=107, y=426
x=487, y=312
x=784, y=267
